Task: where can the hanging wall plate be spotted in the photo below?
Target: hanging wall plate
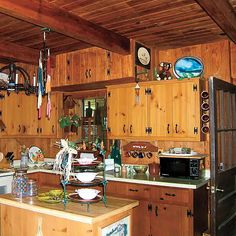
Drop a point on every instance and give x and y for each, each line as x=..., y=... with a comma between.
x=142, y=56
x=188, y=67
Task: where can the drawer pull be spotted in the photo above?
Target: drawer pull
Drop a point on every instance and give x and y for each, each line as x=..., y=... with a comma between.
x=161, y=198
x=170, y=194
x=156, y=210
x=133, y=190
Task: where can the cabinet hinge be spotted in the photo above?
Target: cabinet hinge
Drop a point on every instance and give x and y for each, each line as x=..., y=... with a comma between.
x=148, y=91
x=194, y=87
x=189, y=213
x=109, y=94
x=148, y=130
x=149, y=207
x=195, y=130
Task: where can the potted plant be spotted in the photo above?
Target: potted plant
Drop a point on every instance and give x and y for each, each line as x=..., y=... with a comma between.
x=75, y=123
x=65, y=123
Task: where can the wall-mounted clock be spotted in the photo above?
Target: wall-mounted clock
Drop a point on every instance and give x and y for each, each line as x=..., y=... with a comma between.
x=142, y=56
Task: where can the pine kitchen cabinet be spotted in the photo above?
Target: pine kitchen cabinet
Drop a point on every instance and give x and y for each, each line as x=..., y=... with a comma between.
x=166, y=110
x=127, y=116
x=165, y=210
x=20, y=115
x=90, y=65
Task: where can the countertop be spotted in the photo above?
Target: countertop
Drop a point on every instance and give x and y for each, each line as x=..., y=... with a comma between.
x=138, y=179
x=72, y=210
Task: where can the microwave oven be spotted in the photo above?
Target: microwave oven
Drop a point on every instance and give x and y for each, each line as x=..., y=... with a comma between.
x=191, y=168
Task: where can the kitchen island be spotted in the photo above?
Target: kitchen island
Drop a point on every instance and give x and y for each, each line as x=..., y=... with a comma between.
x=28, y=216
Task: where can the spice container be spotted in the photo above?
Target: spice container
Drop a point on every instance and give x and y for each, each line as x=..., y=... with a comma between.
x=20, y=183
x=32, y=188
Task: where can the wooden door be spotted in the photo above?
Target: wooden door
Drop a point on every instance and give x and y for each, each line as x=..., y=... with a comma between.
x=160, y=110
x=137, y=111
x=170, y=220
x=186, y=109
x=113, y=122
x=48, y=126
x=12, y=114
x=222, y=97
x=87, y=65
x=29, y=118
x=141, y=219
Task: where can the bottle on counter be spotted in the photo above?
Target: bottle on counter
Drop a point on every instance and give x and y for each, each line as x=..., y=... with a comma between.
x=20, y=183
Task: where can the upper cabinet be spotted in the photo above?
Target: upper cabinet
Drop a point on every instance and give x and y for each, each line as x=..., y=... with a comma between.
x=20, y=116
x=164, y=110
x=91, y=65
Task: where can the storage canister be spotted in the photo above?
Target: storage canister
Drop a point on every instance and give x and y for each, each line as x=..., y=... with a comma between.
x=20, y=183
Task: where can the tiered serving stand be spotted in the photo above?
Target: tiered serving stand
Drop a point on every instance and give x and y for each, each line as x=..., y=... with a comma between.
x=99, y=181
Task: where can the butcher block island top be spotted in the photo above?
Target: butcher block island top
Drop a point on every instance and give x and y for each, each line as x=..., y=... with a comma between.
x=35, y=217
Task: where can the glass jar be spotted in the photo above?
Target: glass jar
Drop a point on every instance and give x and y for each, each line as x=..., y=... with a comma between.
x=32, y=188
x=20, y=183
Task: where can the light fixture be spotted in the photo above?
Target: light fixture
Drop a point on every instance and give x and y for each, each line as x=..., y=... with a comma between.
x=17, y=80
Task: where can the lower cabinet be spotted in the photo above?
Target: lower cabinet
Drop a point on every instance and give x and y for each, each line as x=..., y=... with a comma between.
x=164, y=211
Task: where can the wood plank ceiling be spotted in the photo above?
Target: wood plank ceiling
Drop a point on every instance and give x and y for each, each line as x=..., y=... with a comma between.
x=160, y=23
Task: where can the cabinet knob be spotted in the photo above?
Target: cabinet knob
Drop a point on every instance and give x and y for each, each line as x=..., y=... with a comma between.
x=176, y=128
x=124, y=129
x=133, y=190
x=86, y=74
x=168, y=128
x=131, y=129
x=19, y=128
x=24, y=129
x=170, y=194
x=156, y=210
x=68, y=77
x=53, y=129
x=90, y=73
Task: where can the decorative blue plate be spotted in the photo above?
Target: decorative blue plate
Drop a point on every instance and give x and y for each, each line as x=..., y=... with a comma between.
x=188, y=67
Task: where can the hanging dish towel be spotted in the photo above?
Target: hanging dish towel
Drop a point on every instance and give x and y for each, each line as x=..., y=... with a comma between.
x=40, y=86
x=48, y=86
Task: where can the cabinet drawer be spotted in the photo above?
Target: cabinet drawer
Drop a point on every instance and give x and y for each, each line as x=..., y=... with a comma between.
x=171, y=195
x=138, y=191
x=127, y=190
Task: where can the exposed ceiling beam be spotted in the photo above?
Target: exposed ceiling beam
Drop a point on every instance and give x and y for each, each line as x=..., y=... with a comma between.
x=48, y=15
x=223, y=14
x=14, y=52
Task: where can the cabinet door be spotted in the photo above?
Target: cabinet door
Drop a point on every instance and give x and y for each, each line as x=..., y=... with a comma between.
x=113, y=114
x=170, y=220
x=12, y=114
x=30, y=115
x=141, y=219
x=87, y=65
x=137, y=111
x=160, y=110
x=48, y=126
x=186, y=110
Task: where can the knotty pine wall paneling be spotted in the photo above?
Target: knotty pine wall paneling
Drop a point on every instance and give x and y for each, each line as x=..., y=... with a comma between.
x=215, y=57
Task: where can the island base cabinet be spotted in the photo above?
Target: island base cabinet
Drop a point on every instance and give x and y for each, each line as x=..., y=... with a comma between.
x=21, y=222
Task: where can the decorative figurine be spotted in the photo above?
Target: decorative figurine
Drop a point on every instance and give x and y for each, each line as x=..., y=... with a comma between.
x=164, y=73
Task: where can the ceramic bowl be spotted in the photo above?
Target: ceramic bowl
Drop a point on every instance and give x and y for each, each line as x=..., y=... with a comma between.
x=85, y=161
x=86, y=177
x=140, y=169
x=87, y=193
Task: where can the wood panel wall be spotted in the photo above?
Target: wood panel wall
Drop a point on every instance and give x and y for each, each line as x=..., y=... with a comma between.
x=215, y=57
